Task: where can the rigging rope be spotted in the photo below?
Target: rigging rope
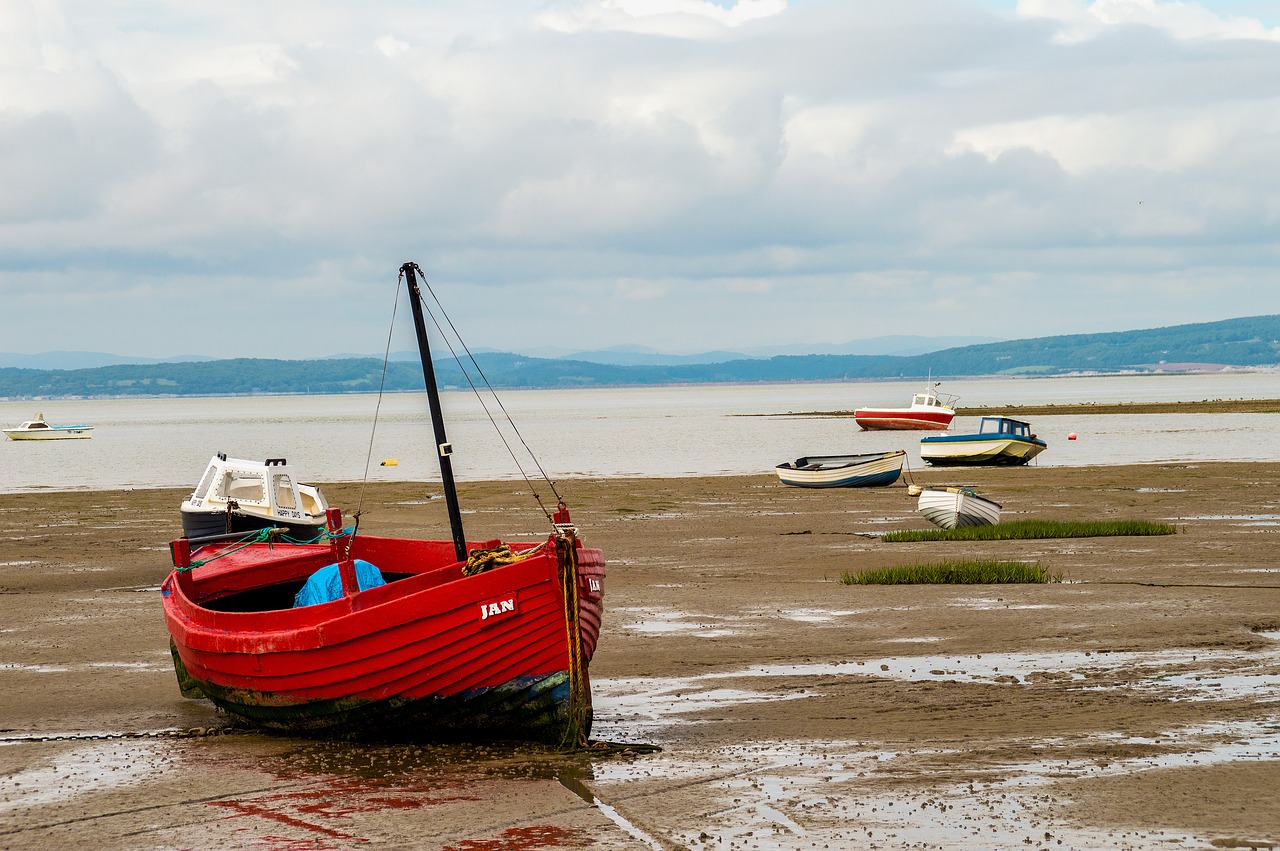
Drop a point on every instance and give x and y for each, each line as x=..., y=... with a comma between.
x=386, y=357
x=271, y=535
x=465, y=374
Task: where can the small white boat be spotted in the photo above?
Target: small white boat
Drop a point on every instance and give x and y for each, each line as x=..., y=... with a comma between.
x=38, y=429
x=998, y=441
x=952, y=507
x=928, y=411
x=843, y=471
x=235, y=495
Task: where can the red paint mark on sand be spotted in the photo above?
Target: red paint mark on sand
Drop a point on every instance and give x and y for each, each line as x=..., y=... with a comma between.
x=246, y=808
x=339, y=799
x=526, y=839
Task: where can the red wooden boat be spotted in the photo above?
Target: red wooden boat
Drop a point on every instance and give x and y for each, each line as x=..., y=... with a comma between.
x=463, y=640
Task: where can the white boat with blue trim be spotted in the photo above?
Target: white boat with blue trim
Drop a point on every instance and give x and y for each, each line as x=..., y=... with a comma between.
x=998, y=441
x=843, y=471
x=38, y=429
x=955, y=507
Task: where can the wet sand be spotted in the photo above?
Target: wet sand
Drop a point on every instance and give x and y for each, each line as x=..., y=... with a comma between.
x=1135, y=705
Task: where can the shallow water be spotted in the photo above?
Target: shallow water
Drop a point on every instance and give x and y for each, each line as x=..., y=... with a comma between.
x=657, y=431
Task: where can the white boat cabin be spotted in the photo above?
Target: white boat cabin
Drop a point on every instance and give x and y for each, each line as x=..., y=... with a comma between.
x=265, y=489
x=1005, y=425
x=931, y=398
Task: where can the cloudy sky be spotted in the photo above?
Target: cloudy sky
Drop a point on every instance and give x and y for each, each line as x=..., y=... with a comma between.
x=244, y=179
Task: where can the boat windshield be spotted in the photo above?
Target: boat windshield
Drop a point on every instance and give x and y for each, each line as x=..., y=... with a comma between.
x=244, y=486
x=284, y=492
x=1001, y=425
x=203, y=489
x=933, y=399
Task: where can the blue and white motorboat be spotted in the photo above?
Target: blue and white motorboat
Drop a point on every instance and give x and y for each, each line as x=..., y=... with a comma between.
x=38, y=429
x=998, y=441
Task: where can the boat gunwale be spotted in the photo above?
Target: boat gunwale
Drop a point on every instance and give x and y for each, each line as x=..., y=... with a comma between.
x=866, y=458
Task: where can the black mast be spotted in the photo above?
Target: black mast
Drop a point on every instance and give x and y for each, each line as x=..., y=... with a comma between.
x=443, y=448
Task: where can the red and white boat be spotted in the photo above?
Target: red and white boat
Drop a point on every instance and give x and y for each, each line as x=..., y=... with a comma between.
x=929, y=411
x=412, y=639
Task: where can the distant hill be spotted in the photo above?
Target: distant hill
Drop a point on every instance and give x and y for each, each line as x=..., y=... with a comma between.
x=1247, y=342
x=903, y=345
x=83, y=360
x=638, y=356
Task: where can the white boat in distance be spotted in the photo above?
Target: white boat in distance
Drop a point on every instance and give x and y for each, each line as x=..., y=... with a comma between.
x=952, y=507
x=843, y=471
x=38, y=429
x=928, y=412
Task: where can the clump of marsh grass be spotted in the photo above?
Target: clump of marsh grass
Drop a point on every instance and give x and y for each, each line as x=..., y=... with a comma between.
x=1026, y=529
x=955, y=573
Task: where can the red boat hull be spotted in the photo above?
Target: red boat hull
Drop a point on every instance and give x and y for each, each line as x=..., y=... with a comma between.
x=431, y=654
x=903, y=420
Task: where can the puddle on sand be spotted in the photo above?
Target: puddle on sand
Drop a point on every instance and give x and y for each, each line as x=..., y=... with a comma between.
x=660, y=621
x=573, y=782
x=89, y=768
x=1238, y=519
x=33, y=669
x=991, y=603
x=807, y=615
x=86, y=666
x=672, y=622
x=640, y=705
x=631, y=709
x=784, y=795
x=275, y=793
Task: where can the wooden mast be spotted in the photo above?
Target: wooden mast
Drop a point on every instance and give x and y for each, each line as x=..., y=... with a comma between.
x=443, y=448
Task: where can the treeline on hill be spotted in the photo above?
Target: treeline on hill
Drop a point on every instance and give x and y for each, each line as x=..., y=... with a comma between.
x=1251, y=341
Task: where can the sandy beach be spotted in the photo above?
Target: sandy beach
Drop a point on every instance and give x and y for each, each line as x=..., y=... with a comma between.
x=1133, y=705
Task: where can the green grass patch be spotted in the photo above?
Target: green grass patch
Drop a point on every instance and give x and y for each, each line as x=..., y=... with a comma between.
x=955, y=573
x=1025, y=529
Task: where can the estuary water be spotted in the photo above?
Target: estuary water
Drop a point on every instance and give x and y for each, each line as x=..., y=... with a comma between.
x=621, y=432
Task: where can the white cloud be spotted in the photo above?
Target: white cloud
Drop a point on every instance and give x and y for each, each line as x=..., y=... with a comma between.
x=1162, y=140
x=1082, y=20
x=674, y=18
x=646, y=163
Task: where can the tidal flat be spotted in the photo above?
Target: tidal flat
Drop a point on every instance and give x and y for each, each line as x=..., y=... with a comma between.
x=1133, y=705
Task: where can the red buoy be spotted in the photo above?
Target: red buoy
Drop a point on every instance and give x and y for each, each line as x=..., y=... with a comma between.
x=1071, y=436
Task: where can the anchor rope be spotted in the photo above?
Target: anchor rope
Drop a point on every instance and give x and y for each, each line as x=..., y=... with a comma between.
x=906, y=461
x=579, y=720
x=479, y=560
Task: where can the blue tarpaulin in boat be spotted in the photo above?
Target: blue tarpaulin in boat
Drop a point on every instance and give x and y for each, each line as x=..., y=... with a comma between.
x=326, y=583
